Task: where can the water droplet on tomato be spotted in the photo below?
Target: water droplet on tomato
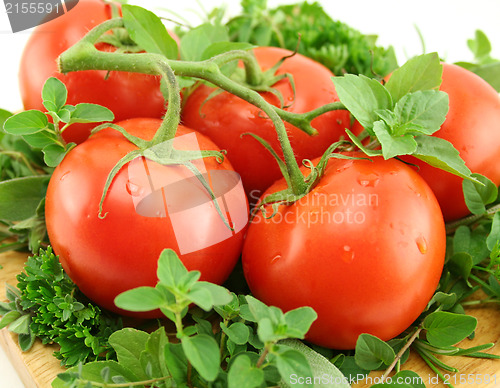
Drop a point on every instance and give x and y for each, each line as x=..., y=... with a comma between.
x=345, y=166
x=368, y=180
x=133, y=189
x=347, y=254
x=64, y=175
x=275, y=259
x=421, y=244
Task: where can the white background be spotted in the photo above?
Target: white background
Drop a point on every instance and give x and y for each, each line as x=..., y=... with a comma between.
x=445, y=25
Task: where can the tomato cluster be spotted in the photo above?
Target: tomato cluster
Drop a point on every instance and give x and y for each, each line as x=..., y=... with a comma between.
x=365, y=247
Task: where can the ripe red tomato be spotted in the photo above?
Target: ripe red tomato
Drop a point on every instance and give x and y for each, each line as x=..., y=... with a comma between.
x=126, y=94
x=105, y=257
x=473, y=127
x=365, y=249
x=225, y=117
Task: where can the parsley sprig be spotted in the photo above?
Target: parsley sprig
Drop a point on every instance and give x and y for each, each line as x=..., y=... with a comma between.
x=47, y=305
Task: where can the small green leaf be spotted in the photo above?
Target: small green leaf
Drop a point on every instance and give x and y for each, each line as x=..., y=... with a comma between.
x=140, y=299
x=494, y=237
x=21, y=325
x=461, y=264
x=26, y=123
x=203, y=353
x=8, y=318
x=393, y=145
x=176, y=362
x=490, y=72
x=197, y=40
x=299, y=321
x=91, y=113
x=371, y=352
x=220, y=295
x=423, y=72
x=290, y=363
x=147, y=30
x=129, y=344
x=53, y=154
x=447, y=329
x=242, y=374
x=20, y=197
x=480, y=45
x=54, y=94
x=477, y=195
x=442, y=154
x=41, y=139
x=237, y=332
x=425, y=110
x=362, y=96
x=170, y=268
x=258, y=309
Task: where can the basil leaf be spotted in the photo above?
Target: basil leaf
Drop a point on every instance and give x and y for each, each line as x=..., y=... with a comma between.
x=447, y=329
x=371, y=352
x=423, y=72
x=147, y=30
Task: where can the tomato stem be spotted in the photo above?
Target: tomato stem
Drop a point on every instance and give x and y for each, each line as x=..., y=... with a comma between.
x=84, y=56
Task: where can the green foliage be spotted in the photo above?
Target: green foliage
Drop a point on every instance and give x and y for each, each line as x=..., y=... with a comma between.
x=484, y=65
x=47, y=304
x=336, y=45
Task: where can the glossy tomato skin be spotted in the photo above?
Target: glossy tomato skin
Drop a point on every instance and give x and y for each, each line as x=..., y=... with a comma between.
x=105, y=257
x=473, y=127
x=225, y=118
x=365, y=249
x=126, y=94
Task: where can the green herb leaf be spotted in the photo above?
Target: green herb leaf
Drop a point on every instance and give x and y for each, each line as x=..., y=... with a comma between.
x=362, y=96
x=494, y=236
x=147, y=30
x=291, y=362
x=41, y=139
x=199, y=39
x=477, y=195
x=140, y=299
x=170, y=268
x=422, y=111
x=26, y=123
x=371, y=352
x=203, y=352
x=242, y=374
x=20, y=197
x=54, y=94
x=53, y=154
x=447, y=329
x=91, y=113
x=440, y=153
x=393, y=145
x=423, y=72
x=237, y=332
x=129, y=344
x=299, y=321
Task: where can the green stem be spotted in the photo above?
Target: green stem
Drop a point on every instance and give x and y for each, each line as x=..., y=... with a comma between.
x=469, y=220
x=433, y=367
x=84, y=56
x=130, y=384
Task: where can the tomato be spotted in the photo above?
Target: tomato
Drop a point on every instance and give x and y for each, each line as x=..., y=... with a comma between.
x=225, y=118
x=126, y=94
x=473, y=127
x=365, y=249
x=106, y=256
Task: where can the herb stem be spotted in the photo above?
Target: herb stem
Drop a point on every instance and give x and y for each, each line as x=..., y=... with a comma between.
x=262, y=357
x=400, y=353
x=469, y=220
x=129, y=384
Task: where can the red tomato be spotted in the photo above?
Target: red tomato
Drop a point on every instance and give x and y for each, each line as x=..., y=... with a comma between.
x=126, y=94
x=365, y=249
x=225, y=117
x=473, y=127
x=105, y=257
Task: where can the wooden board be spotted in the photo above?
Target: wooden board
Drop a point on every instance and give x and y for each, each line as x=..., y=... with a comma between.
x=37, y=368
